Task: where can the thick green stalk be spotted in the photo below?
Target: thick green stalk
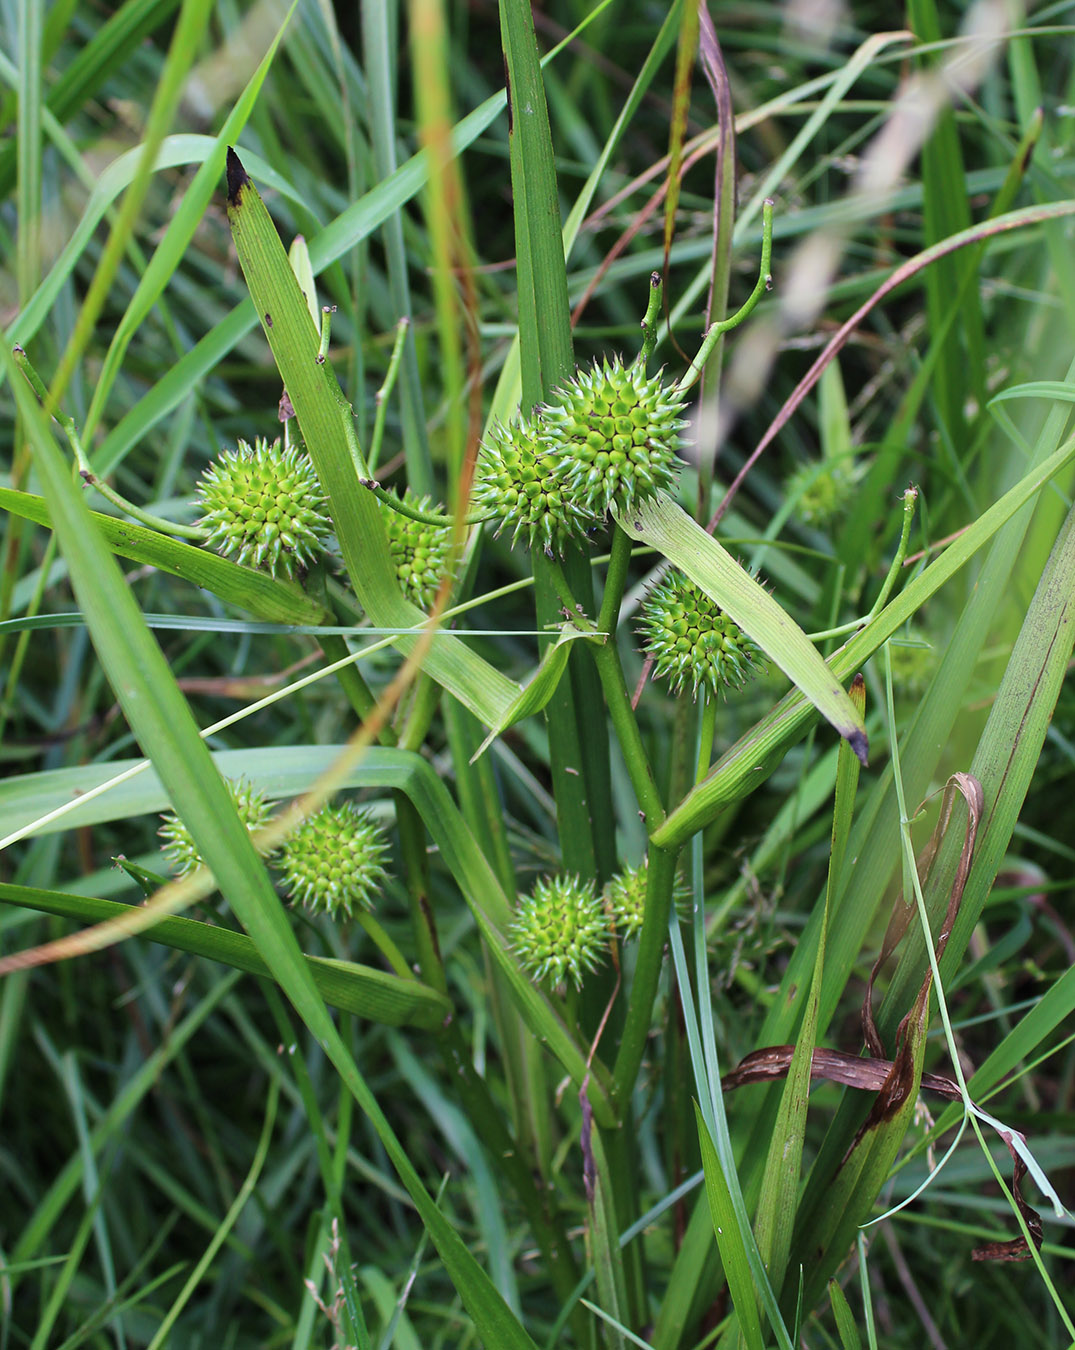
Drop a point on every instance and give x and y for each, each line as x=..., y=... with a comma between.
x=660, y=879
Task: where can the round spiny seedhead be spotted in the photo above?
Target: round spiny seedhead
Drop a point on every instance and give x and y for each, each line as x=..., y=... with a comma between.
x=616, y=433
x=821, y=496
x=264, y=506
x=420, y=553
x=333, y=861
x=520, y=484
x=625, y=899
x=691, y=640
x=560, y=931
x=179, y=847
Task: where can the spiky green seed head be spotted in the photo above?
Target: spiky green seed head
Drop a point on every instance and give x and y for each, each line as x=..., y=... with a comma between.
x=333, y=861
x=822, y=495
x=420, y=554
x=691, y=639
x=625, y=899
x=560, y=931
x=519, y=482
x=179, y=846
x=617, y=434
x=263, y=506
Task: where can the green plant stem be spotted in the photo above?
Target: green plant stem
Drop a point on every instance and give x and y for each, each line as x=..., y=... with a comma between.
x=660, y=878
x=383, y=394
x=412, y=512
x=910, y=499
x=327, y=312
x=615, y=581
x=649, y=323
x=717, y=330
x=86, y=472
x=384, y=944
x=414, y=849
x=706, y=732
x=606, y=655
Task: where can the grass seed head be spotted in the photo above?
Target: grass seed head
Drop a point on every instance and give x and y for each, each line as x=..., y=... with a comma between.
x=333, y=861
x=616, y=433
x=691, y=639
x=560, y=931
x=520, y=482
x=263, y=506
x=420, y=553
x=179, y=846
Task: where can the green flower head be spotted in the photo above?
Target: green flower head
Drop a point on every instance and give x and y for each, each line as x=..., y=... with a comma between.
x=625, y=898
x=420, y=553
x=333, y=861
x=560, y=931
x=691, y=640
x=263, y=506
x=520, y=483
x=179, y=846
x=823, y=493
x=616, y=433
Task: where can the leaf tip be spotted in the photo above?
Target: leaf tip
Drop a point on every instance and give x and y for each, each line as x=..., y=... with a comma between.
x=237, y=178
x=859, y=742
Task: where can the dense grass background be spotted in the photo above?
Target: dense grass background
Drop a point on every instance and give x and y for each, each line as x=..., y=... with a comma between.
x=179, y=1153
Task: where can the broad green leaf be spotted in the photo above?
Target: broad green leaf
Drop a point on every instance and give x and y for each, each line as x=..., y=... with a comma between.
x=374, y=994
x=256, y=592
x=662, y=523
x=845, y=1318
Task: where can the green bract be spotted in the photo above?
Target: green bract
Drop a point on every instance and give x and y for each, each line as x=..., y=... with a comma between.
x=561, y=930
x=691, y=640
x=179, y=847
x=616, y=434
x=264, y=506
x=420, y=553
x=520, y=483
x=333, y=861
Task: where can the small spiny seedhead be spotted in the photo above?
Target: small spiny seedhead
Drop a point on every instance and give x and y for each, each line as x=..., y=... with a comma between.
x=263, y=506
x=625, y=898
x=616, y=433
x=691, y=639
x=560, y=931
x=332, y=862
x=519, y=482
x=420, y=553
x=822, y=495
x=179, y=847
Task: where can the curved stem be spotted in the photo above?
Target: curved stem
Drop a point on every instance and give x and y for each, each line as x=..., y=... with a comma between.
x=85, y=470
x=412, y=512
x=381, y=398
x=716, y=330
x=610, y=671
